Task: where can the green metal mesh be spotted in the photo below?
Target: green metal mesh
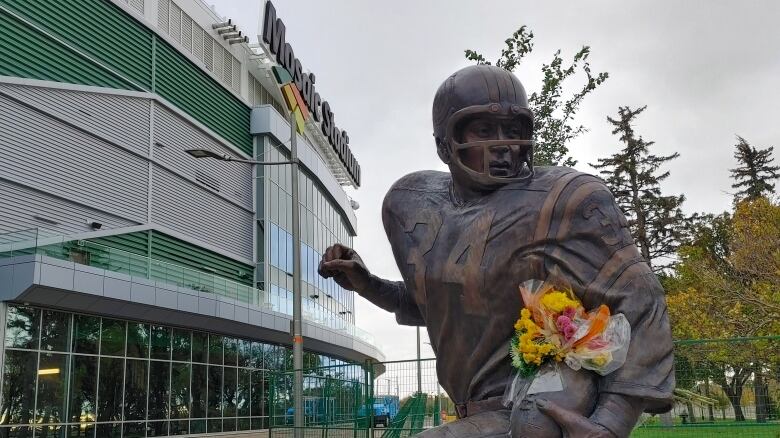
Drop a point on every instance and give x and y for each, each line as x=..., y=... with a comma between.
x=725, y=388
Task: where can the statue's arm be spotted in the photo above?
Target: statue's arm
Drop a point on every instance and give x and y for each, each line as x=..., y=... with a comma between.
x=393, y=297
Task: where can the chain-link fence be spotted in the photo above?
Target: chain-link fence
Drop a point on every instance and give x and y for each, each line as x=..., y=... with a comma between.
x=725, y=387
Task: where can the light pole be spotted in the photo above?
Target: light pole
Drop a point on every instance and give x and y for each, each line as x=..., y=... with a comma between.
x=297, y=329
x=419, y=365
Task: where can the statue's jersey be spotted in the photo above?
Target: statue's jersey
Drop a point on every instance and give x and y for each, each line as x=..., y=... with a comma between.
x=462, y=264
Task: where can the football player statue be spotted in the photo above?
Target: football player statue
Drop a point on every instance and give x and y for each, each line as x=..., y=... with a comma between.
x=465, y=240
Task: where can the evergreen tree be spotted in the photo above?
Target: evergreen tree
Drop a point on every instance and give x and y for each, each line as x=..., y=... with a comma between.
x=754, y=173
x=553, y=109
x=656, y=221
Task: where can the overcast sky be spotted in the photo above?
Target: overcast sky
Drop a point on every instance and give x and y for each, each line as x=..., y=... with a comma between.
x=706, y=69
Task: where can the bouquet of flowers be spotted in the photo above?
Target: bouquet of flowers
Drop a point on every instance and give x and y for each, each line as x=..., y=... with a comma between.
x=555, y=327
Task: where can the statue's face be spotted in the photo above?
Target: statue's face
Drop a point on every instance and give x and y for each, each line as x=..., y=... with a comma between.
x=505, y=160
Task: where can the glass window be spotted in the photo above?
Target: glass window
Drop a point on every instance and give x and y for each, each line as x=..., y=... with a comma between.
x=215, y=349
x=180, y=427
x=86, y=334
x=137, y=340
x=109, y=402
x=200, y=342
x=257, y=393
x=229, y=392
x=55, y=331
x=52, y=377
x=215, y=391
x=244, y=353
x=19, y=386
x=199, y=391
x=109, y=430
x=112, y=342
x=229, y=425
x=198, y=426
x=214, y=426
x=135, y=389
x=256, y=360
x=161, y=343
x=22, y=327
x=83, y=388
x=243, y=392
x=281, y=243
x=159, y=384
x=180, y=390
x=157, y=428
x=134, y=430
x=274, y=247
x=231, y=351
x=181, y=344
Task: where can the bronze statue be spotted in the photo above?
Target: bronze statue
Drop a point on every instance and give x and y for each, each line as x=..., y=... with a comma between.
x=465, y=240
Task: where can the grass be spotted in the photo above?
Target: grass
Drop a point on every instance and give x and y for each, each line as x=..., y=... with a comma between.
x=771, y=430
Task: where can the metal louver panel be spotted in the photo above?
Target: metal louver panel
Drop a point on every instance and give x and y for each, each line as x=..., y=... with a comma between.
x=163, y=9
x=20, y=205
x=78, y=166
x=173, y=135
x=138, y=5
x=208, y=51
x=118, y=42
x=197, y=43
x=219, y=62
x=122, y=119
x=186, y=31
x=175, y=22
x=231, y=231
x=236, y=74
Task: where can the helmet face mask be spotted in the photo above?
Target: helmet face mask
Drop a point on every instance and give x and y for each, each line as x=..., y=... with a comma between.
x=492, y=95
x=519, y=150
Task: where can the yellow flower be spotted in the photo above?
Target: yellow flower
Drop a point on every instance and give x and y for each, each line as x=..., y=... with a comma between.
x=525, y=313
x=602, y=359
x=558, y=301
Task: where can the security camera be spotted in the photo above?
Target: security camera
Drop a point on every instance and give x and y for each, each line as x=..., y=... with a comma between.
x=95, y=225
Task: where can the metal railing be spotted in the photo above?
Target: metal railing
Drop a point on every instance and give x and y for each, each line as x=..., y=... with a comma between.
x=84, y=252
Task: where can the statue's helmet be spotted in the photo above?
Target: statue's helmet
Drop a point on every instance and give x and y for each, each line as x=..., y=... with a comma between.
x=482, y=90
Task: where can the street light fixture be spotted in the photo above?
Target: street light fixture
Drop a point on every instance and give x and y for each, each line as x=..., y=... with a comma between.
x=297, y=329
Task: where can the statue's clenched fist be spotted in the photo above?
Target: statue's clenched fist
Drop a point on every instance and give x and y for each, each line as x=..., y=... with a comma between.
x=345, y=266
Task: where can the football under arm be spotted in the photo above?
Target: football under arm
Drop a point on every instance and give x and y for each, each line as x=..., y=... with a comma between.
x=393, y=296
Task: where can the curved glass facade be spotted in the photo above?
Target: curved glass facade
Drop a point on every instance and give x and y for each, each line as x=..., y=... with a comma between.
x=321, y=226
x=79, y=375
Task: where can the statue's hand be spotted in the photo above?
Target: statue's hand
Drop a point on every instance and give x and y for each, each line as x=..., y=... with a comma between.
x=573, y=424
x=345, y=266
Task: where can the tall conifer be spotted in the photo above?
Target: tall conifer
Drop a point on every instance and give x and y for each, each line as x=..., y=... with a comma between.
x=656, y=221
x=754, y=172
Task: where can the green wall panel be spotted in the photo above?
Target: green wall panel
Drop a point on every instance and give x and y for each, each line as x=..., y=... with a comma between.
x=97, y=28
x=172, y=250
x=189, y=88
x=27, y=53
x=178, y=252
x=136, y=243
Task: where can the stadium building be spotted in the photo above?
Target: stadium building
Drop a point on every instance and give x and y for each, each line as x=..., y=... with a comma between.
x=146, y=292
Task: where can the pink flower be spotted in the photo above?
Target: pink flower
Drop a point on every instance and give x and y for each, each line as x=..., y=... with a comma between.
x=566, y=326
x=569, y=312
